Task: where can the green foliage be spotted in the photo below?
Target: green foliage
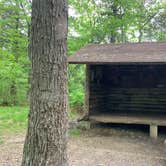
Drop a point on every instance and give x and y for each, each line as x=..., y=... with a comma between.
x=108, y=21
x=76, y=85
x=75, y=132
x=76, y=97
x=72, y=115
x=14, y=63
x=90, y=21
x=12, y=73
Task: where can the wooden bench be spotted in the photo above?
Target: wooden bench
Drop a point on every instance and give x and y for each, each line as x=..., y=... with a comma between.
x=153, y=120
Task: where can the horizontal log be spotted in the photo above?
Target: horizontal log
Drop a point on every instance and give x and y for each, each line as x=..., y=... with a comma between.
x=129, y=119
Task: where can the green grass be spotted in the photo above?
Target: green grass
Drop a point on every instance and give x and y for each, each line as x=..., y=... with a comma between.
x=75, y=132
x=1, y=141
x=13, y=119
x=72, y=115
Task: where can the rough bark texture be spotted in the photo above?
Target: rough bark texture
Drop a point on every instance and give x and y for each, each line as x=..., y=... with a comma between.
x=46, y=139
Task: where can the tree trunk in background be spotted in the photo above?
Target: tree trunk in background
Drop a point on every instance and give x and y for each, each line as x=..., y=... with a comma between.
x=140, y=36
x=46, y=140
x=15, y=50
x=13, y=92
x=114, y=9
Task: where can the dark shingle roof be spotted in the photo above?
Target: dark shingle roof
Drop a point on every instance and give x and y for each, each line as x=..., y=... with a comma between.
x=147, y=52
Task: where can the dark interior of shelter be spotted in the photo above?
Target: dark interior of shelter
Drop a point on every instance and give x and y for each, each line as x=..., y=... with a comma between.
x=127, y=89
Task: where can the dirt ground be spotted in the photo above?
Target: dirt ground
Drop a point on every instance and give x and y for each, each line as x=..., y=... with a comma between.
x=113, y=146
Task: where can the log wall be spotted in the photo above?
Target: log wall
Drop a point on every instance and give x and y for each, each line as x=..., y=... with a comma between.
x=127, y=88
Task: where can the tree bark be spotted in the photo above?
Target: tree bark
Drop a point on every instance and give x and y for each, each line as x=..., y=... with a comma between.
x=46, y=140
x=113, y=33
x=140, y=36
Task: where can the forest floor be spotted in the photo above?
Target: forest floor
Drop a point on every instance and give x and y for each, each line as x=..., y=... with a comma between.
x=113, y=146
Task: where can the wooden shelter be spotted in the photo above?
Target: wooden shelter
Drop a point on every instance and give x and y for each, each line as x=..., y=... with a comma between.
x=125, y=83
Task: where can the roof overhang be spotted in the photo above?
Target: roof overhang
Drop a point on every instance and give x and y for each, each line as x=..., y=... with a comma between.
x=126, y=53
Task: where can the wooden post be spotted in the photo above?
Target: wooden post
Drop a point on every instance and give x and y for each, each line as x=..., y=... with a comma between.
x=153, y=131
x=87, y=90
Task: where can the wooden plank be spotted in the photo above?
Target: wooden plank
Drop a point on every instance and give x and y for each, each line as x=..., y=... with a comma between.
x=147, y=119
x=128, y=89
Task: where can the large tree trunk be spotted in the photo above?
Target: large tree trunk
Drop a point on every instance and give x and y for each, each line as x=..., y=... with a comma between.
x=46, y=140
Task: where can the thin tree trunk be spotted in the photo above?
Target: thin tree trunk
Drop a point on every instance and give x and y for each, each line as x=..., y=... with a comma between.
x=140, y=36
x=13, y=93
x=123, y=35
x=113, y=38
x=46, y=140
x=113, y=33
x=13, y=87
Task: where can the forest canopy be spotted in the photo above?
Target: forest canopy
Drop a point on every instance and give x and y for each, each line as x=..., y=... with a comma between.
x=90, y=21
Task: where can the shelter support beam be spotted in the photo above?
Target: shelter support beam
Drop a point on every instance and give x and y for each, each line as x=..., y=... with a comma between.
x=87, y=90
x=153, y=131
